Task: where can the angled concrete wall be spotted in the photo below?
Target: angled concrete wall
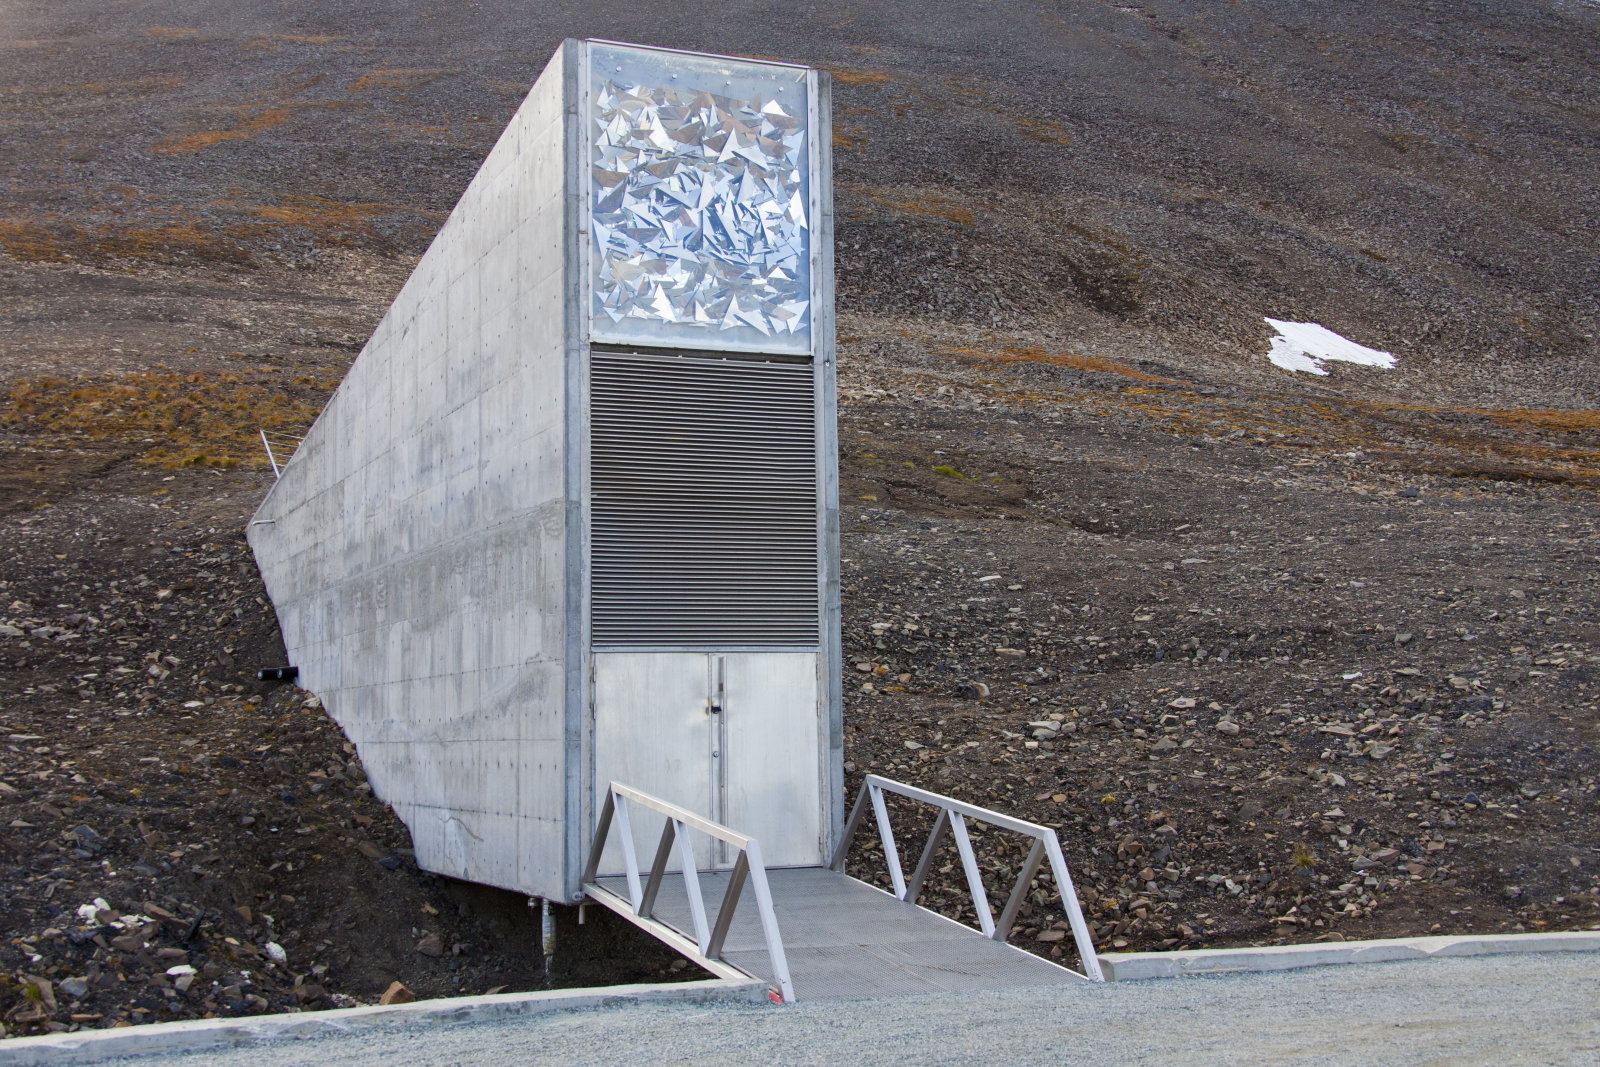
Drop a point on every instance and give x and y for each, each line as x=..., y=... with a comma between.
x=428, y=547
x=415, y=546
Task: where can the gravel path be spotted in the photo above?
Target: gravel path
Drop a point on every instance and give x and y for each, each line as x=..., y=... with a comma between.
x=1513, y=1010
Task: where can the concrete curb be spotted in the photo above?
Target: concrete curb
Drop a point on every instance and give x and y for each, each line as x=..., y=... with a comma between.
x=197, y=1035
x=1133, y=966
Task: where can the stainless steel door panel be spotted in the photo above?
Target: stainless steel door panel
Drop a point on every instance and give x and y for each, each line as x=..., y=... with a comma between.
x=653, y=730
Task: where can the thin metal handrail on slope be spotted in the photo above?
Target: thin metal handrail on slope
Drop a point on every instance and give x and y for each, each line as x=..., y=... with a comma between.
x=283, y=440
x=952, y=819
x=709, y=937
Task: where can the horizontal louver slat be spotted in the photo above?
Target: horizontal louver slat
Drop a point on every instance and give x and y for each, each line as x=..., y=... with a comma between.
x=703, y=501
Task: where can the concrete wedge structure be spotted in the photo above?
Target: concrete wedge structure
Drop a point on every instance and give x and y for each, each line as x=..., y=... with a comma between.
x=572, y=515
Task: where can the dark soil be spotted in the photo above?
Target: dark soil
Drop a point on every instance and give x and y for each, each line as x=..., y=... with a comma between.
x=1267, y=689
x=1283, y=658
x=216, y=819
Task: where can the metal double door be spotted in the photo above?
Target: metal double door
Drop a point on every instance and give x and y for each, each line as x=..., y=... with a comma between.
x=734, y=736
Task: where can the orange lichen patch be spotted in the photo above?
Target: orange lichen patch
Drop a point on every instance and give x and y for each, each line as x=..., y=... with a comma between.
x=315, y=212
x=171, y=33
x=1042, y=131
x=55, y=241
x=30, y=241
x=1195, y=412
x=396, y=78
x=933, y=206
x=180, y=419
x=407, y=130
x=1560, y=420
x=1574, y=421
x=135, y=85
x=1062, y=359
x=194, y=142
x=330, y=221
x=848, y=137
x=845, y=76
x=225, y=231
x=1494, y=449
x=178, y=241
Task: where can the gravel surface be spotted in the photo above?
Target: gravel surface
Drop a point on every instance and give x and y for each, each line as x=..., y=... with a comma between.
x=1506, y=1010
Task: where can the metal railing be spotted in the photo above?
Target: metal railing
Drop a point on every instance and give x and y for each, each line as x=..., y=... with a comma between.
x=709, y=936
x=287, y=442
x=952, y=820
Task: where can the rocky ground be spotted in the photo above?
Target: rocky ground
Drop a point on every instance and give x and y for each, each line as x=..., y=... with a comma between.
x=181, y=840
x=1283, y=658
x=1270, y=686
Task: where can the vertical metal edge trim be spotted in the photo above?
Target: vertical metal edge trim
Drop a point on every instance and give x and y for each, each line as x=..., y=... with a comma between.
x=577, y=723
x=831, y=685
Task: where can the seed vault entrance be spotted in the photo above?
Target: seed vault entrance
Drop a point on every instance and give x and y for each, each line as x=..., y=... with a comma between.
x=706, y=510
x=564, y=544
x=572, y=516
x=728, y=735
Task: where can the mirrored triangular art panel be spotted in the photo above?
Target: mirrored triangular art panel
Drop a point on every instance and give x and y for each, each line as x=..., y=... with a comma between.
x=572, y=515
x=701, y=202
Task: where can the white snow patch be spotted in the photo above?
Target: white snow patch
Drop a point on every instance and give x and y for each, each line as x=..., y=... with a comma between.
x=1304, y=346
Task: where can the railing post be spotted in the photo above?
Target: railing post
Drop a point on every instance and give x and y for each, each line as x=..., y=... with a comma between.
x=1069, y=899
x=691, y=886
x=769, y=922
x=941, y=825
x=658, y=869
x=276, y=473
x=730, y=903
x=630, y=859
x=857, y=812
x=891, y=854
x=969, y=863
x=1019, y=892
x=601, y=829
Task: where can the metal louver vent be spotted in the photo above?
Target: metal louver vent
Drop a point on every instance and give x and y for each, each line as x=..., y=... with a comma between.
x=703, y=501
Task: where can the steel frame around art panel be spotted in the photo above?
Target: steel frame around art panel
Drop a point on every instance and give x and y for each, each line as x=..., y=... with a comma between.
x=816, y=149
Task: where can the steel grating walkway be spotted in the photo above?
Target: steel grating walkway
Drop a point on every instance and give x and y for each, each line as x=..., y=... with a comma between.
x=846, y=940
